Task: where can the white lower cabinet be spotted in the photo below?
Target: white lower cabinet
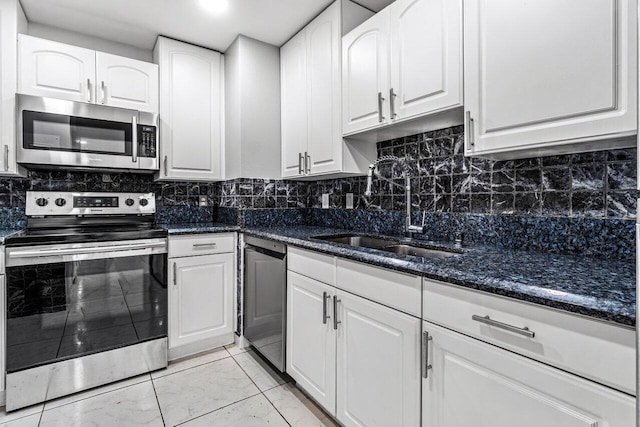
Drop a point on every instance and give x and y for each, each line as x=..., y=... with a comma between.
x=358, y=359
x=201, y=299
x=471, y=383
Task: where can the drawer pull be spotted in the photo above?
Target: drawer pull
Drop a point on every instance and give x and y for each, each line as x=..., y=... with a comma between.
x=489, y=321
x=425, y=354
x=204, y=245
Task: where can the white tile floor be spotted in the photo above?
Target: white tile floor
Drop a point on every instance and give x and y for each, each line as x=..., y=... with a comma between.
x=225, y=387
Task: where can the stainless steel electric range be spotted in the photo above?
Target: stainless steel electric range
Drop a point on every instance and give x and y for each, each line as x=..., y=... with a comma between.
x=86, y=294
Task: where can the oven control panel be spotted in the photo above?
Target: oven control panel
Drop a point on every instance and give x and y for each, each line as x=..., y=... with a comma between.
x=46, y=203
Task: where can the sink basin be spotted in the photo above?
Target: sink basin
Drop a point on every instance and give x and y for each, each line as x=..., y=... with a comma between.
x=418, y=251
x=386, y=244
x=360, y=241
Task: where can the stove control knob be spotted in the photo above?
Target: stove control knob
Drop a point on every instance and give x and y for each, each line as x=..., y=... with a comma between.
x=60, y=202
x=42, y=202
x=144, y=202
x=129, y=202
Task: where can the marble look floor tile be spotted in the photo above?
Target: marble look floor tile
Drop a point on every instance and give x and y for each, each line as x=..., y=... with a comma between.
x=255, y=411
x=193, y=392
x=263, y=375
x=30, y=421
x=191, y=362
x=233, y=349
x=296, y=408
x=132, y=406
x=96, y=391
x=20, y=413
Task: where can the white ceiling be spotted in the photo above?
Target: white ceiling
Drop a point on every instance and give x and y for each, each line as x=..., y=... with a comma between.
x=138, y=22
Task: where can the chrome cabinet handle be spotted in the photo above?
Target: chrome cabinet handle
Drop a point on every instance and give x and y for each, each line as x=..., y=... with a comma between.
x=325, y=317
x=166, y=172
x=392, y=97
x=425, y=354
x=307, y=162
x=103, y=91
x=204, y=245
x=175, y=275
x=336, y=322
x=6, y=158
x=88, y=90
x=470, y=130
x=300, y=170
x=134, y=138
x=81, y=251
x=380, y=101
x=489, y=321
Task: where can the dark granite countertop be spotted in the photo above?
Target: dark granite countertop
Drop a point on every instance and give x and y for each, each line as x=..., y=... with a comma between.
x=209, y=227
x=598, y=288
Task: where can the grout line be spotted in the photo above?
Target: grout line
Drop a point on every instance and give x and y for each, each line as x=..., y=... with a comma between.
x=41, y=414
x=190, y=367
x=220, y=408
x=158, y=402
x=274, y=406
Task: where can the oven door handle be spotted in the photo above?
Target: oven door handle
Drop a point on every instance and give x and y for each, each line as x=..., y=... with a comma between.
x=82, y=251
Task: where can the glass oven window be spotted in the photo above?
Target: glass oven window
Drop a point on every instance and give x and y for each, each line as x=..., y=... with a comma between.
x=64, y=310
x=45, y=131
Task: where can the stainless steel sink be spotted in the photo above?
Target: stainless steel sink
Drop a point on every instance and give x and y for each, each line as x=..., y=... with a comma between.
x=359, y=241
x=387, y=244
x=418, y=251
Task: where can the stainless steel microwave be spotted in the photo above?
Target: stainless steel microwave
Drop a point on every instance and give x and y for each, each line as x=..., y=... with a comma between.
x=55, y=133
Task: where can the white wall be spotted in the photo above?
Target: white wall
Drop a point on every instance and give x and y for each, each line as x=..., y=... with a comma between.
x=89, y=42
x=252, y=71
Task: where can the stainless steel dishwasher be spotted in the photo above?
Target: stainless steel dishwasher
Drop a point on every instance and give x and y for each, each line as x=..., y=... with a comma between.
x=265, y=298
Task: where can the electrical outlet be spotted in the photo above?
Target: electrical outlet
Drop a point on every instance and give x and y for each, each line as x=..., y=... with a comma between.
x=204, y=201
x=349, y=203
x=325, y=201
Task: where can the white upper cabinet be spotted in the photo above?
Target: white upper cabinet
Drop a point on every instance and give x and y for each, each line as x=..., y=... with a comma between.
x=191, y=111
x=533, y=91
x=310, y=65
x=62, y=71
x=365, y=74
x=56, y=70
x=402, y=64
x=126, y=83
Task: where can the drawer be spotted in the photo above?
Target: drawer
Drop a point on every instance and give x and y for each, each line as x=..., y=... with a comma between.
x=391, y=288
x=201, y=244
x=596, y=350
x=321, y=267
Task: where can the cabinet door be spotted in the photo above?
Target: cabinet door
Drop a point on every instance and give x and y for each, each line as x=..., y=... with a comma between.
x=324, y=92
x=426, y=56
x=476, y=384
x=527, y=89
x=365, y=74
x=378, y=364
x=293, y=72
x=201, y=298
x=56, y=70
x=191, y=84
x=311, y=341
x=127, y=83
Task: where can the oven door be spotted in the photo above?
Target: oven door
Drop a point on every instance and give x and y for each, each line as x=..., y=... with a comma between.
x=60, y=133
x=72, y=300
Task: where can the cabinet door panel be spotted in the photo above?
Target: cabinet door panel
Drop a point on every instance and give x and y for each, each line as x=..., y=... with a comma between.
x=293, y=70
x=128, y=83
x=574, y=80
x=426, y=55
x=191, y=83
x=56, y=70
x=324, y=74
x=311, y=344
x=378, y=365
x=365, y=73
x=201, y=300
x=473, y=383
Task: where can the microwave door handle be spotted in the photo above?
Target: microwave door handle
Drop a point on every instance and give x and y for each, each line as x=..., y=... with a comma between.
x=134, y=138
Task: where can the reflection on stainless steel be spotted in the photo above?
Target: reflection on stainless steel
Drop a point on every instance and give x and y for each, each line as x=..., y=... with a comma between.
x=418, y=251
x=265, y=298
x=360, y=241
x=47, y=382
x=390, y=245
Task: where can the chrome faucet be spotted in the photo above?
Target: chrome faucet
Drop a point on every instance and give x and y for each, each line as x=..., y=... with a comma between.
x=406, y=170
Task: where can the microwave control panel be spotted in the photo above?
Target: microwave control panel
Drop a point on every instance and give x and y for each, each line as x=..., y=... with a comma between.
x=147, y=141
